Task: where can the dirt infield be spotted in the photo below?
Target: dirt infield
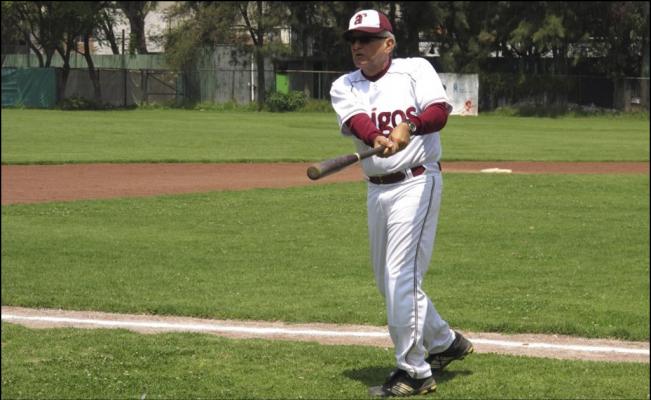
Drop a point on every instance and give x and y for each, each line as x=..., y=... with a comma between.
x=43, y=183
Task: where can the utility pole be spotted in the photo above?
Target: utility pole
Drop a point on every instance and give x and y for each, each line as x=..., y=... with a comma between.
x=644, y=81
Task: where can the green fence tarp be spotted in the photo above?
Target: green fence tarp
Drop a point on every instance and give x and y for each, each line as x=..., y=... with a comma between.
x=31, y=87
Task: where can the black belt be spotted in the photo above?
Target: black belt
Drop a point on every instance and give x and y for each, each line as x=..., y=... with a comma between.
x=395, y=177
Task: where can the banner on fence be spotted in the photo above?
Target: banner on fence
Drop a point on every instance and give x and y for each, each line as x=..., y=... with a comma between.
x=463, y=92
x=31, y=87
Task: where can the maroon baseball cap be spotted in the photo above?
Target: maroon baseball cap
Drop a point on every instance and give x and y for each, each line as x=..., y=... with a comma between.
x=369, y=21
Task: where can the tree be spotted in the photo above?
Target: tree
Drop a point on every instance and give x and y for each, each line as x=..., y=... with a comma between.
x=14, y=29
x=248, y=25
x=306, y=20
x=89, y=18
x=335, y=50
x=417, y=19
x=136, y=12
x=106, y=21
x=58, y=26
x=261, y=20
x=37, y=23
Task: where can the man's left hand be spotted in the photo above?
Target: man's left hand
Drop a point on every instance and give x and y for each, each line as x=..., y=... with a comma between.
x=400, y=135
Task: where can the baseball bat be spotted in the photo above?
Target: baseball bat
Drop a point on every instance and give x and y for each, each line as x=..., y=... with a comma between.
x=325, y=168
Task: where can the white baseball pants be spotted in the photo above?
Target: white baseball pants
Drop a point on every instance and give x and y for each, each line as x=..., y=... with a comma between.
x=402, y=221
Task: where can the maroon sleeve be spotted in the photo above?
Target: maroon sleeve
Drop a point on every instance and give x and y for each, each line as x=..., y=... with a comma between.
x=432, y=119
x=362, y=127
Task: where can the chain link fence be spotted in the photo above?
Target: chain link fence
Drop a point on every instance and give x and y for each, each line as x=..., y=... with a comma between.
x=132, y=87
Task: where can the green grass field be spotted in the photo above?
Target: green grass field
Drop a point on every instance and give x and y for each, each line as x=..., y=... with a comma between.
x=82, y=364
x=515, y=253
x=522, y=253
x=48, y=136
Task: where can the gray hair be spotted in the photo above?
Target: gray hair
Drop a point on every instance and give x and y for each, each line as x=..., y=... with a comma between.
x=390, y=35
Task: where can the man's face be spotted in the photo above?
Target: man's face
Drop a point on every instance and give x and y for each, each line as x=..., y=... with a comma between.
x=370, y=52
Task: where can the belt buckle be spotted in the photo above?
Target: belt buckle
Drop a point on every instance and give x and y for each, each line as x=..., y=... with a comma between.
x=392, y=178
x=399, y=178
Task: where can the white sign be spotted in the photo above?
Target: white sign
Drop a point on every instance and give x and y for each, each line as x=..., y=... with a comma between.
x=463, y=92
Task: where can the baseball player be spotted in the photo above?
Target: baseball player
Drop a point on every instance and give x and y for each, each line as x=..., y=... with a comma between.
x=400, y=104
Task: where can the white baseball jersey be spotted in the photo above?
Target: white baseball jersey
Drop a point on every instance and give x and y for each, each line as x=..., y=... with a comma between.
x=408, y=87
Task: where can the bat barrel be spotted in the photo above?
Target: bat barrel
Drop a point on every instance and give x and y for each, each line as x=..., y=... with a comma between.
x=317, y=171
x=313, y=172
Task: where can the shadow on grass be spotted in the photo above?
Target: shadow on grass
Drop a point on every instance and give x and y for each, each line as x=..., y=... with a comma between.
x=445, y=375
x=373, y=376
x=370, y=376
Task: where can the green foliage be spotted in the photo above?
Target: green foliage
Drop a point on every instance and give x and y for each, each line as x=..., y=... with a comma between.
x=84, y=104
x=281, y=102
x=162, y=105
x=607, y=38
x=556, y=110
x=315, y=105
x=226, y=106
x=79, y=103
x=201, y=106
x=292, y=101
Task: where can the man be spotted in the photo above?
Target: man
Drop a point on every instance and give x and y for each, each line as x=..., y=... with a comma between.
x=400, y=104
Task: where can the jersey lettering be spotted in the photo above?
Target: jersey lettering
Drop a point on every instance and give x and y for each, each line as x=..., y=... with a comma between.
x=387, y=120
x=395, y=114
x=383, y=120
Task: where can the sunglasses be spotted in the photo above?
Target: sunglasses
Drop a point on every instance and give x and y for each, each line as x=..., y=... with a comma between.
x=363, y=39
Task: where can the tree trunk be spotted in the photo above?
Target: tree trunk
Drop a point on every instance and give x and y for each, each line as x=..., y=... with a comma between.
x=136, y=11
x=306, y=86
x=644, y=83
x=92, y=72
x=259, y=58
x=65, y=71
x=48, y=58
x=259, y=63
x=138, y=41
x=110, y=36
x=30, y=45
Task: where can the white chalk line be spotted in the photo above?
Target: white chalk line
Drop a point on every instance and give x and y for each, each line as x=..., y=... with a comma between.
x=198, y=327
x=305, y=332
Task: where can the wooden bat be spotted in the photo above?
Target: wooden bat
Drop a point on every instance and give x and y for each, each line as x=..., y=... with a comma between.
x=325, y=168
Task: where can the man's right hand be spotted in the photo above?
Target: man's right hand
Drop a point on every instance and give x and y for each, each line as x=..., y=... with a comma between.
x=390, y=147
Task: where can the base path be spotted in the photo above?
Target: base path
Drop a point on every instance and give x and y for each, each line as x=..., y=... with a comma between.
x=43, y=183
x=548, y=346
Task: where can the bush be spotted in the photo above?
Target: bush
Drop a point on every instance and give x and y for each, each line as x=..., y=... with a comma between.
x=553, y=110
x=79, y=103
x=227, y=106
x=314, y=105
x=280, y=102
x=198, y=106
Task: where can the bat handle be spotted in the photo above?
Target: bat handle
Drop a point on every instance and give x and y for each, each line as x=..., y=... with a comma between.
x=370, y=152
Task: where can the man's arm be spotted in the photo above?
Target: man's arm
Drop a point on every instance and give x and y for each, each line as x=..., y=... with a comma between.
x=363, y=128
x=432, y=119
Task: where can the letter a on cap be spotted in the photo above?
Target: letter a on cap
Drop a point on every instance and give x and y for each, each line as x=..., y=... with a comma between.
x=369, y=21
